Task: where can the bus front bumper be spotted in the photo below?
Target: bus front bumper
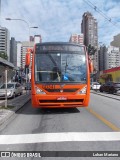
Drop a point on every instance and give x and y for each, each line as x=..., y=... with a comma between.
x=56, y=101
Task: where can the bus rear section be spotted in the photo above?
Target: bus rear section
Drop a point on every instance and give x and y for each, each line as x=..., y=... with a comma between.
x=60, y=76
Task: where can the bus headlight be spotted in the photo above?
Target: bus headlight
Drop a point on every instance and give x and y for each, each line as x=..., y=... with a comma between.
x=83, y=90
x=39, y=91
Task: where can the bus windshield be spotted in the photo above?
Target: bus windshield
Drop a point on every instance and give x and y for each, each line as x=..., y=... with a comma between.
x=60, y=67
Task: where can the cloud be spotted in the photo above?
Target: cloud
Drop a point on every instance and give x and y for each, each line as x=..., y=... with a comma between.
x=58, y=19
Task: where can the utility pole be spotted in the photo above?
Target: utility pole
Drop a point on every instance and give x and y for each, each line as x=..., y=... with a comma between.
x=6, y=88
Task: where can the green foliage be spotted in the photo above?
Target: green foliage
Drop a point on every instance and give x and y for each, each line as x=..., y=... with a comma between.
x=3, y=55
x=91, y=50
x=8, y=107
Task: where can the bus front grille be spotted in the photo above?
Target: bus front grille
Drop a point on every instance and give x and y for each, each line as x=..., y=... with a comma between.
x=59, y=90
x=76, y=101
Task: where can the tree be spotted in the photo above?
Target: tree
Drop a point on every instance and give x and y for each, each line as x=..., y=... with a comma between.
x=91, y=50
x=3, y=55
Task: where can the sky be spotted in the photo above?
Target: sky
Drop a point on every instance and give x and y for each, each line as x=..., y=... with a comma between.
x=58, y=19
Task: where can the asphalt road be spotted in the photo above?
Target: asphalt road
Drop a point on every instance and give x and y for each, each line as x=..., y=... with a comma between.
x=77, y=129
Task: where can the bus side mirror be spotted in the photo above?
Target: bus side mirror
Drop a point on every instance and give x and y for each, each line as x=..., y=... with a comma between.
x=90, y=66
x=28, y=57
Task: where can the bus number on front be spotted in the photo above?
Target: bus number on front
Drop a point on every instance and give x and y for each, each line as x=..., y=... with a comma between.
x=48, y=86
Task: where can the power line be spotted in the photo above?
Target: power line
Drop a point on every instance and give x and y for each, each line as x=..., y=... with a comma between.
x=100, y=12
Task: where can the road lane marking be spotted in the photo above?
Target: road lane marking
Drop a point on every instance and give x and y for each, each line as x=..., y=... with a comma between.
x=59, y=137
x=109, y=124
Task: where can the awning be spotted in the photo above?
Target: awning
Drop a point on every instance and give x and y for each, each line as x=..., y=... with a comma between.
x=105, y=76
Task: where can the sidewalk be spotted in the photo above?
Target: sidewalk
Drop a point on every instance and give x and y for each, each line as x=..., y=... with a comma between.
x=17, y=102
x=113, y=96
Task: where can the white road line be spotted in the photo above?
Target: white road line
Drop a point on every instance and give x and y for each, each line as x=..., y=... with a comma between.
x=59, y=137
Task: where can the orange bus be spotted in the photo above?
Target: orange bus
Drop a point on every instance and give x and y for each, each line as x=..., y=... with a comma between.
x=60, y=75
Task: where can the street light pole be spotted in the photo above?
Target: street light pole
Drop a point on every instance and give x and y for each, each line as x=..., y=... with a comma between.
x=6, y=88
x=18, y=19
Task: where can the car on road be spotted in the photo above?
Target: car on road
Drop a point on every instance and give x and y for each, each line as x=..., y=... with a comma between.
x=95, y=85
x=110, y=87
x=13, y=89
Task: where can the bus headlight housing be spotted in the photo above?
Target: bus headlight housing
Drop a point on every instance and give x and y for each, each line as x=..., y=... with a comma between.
x=83, y=90
x=39, y=91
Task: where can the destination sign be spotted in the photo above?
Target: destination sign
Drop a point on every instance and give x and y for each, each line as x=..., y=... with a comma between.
x=62, y=47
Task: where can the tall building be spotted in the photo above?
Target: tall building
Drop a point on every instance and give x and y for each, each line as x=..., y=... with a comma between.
x=19, y=45
x=77, y=38
x=5, y=41
x=36, y=39
x=116, y=41
x=109, y=57
x=102, y=58
x=113, y=57
x=13, y=51
x=31, y=38
x=90, y=30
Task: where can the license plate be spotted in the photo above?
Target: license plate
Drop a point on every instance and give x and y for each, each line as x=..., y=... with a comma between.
x=61, y=98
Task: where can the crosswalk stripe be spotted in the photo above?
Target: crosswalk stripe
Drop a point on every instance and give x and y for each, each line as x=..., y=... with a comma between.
x=59, y=137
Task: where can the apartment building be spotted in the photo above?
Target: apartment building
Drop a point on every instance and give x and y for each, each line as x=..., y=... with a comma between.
x=116, y=41
x=13, y=51
x=19, y=48
x=113, y=57
x=90, y=30
x=5, y=41
x=77, y=38
x=102, y=58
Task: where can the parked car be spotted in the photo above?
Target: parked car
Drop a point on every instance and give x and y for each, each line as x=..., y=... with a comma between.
x=95, y=86
x=13, y=89
x=110, y=87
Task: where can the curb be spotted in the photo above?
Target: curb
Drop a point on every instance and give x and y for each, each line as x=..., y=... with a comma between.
x=6, y=114
x=105, y=95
